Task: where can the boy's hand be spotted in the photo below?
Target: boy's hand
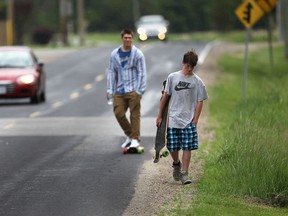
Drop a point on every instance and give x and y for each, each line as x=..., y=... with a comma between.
x=195, y=122
x=158, y=121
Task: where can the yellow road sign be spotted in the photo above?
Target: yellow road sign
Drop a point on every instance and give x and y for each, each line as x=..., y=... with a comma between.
x=249, y=12
x=267, y=5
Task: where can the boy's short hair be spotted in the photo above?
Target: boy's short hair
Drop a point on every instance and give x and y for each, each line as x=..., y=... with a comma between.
x=127, y=31
x=190, y=58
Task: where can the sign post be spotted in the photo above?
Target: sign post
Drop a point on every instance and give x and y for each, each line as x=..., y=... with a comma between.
x=248, y=13
x=10, y=23
x=267, y=6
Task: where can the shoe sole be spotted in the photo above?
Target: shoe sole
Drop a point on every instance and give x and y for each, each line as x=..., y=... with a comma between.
x=187, y=182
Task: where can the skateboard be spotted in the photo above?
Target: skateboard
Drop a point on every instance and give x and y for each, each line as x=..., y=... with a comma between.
x=160, y=140
x=133, y=150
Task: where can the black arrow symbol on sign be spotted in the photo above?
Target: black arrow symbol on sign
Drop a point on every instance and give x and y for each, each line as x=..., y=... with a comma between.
x=268, y=3
x=247, y=12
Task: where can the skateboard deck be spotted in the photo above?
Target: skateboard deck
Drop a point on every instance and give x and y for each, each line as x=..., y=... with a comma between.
x=133, y=150
x=160, y=140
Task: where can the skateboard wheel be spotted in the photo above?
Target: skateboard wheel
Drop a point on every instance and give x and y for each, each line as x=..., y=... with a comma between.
x=125, y=151
x=140, y=150
x=164, y=153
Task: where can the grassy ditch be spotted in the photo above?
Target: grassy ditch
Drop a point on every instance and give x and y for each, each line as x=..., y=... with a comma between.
x=233, y=36
x=247, y=170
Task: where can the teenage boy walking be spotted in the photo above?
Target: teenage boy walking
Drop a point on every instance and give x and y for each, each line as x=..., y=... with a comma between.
x=187, y=92
x=126, y=81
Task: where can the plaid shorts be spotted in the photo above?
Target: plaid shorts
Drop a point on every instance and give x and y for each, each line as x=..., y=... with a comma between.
x=185, y=139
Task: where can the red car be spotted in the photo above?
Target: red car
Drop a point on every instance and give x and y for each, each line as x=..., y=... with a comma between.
x=21, y=74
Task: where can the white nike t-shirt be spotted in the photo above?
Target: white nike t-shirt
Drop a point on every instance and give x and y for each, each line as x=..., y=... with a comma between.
x=185, y=93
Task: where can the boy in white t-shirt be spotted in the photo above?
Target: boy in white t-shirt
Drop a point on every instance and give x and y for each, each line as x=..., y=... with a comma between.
x=187, y=92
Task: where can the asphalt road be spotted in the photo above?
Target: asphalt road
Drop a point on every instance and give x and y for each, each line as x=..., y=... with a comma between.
x=63, y=157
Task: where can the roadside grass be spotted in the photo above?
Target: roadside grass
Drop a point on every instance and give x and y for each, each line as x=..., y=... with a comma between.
x=103, y=37
x=229, y=36
x=246, y=171
x=95, y=38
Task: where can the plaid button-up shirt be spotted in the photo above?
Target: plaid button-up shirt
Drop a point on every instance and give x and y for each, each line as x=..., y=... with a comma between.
x=131, y=77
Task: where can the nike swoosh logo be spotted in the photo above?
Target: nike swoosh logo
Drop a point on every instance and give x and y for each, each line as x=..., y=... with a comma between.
x=180, y=88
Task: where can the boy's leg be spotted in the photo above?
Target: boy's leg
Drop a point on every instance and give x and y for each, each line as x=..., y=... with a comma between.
x=188, y=142
x=176, y=165
x=175, y=157
x=135, y=114
x=173, y=147
x=120, y=108
x=186, y=157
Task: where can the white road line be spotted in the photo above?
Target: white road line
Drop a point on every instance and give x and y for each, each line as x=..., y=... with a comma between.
x=74, y=95
x=206, y=51
x=34, y=114
x=8, y=126
x=88, y=86
x=57, y=104
x=99, y=77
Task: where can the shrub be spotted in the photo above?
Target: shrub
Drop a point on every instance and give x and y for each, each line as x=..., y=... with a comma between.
x=42, y=35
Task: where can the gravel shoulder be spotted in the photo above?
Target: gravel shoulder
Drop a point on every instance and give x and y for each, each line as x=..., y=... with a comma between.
x=156, y=190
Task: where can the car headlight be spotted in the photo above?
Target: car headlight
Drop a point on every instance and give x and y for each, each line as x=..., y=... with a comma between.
x=161, y=36
x=26, y=79
x=162, y=30
x=143, y=37
x=141, y=31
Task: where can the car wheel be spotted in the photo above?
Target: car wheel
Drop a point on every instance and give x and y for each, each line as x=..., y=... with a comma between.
x=43, y=96
x=35, y=99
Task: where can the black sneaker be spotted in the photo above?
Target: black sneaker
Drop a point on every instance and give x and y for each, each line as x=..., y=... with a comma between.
x=176, y=171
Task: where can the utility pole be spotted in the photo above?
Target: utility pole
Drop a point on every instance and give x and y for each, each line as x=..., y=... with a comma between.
x=279, y=20
x=80, y=18
x=63, y=22
x=10, y=23
x=136, y=10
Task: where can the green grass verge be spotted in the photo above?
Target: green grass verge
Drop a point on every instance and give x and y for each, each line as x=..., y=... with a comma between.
x=246, y=172
x=95, y=38
x=233, y=36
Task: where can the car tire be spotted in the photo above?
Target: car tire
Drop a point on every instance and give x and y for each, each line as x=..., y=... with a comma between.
x=35, y=99
x=43, y=96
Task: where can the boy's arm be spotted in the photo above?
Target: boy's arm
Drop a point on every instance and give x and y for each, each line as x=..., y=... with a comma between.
x=163, y=102
x=197, y=112
x=110, y=76
x=142, y=75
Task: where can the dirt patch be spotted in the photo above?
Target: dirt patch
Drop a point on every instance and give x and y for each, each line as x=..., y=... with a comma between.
x=156, y=188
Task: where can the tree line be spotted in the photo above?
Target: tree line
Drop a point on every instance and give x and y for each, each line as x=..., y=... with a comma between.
x=113, y=15
x=183, y=15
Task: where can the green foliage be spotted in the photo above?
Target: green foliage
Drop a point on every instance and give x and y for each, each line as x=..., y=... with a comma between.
x=113, y=15
x=233, y=36
x=2, y=10
x=251, y=158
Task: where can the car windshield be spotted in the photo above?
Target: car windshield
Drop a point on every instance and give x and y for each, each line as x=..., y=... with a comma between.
x=152, y=19
x=12, y=59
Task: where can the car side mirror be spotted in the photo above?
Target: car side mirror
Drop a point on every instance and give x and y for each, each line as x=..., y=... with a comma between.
x=40, y=64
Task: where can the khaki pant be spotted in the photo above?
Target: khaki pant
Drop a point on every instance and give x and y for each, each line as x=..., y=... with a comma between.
x=121, y=104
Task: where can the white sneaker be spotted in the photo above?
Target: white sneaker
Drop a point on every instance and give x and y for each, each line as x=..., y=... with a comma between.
x=126, y=143
x=134, y=143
